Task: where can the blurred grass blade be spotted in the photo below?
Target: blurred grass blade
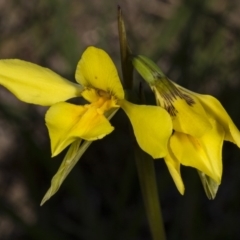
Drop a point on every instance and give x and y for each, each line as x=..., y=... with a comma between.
x=147, y=178
x=127, y=68
x=72, y=157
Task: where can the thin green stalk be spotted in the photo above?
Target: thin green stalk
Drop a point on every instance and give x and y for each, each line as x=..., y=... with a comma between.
x=147, y=178
x=145, y=164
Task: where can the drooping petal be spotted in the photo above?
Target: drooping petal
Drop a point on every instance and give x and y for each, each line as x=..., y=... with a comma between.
x=34, y=84
x=215, y=110
x=174, y=169
x=152, y=127
x=204, y=154
x=67, y=122
x=97, y=70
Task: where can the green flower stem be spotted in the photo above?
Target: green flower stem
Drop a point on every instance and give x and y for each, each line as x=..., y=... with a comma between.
x=144, y=162
x=147, y=178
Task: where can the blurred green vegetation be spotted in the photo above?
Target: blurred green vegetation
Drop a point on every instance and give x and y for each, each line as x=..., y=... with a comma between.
x=195, y=42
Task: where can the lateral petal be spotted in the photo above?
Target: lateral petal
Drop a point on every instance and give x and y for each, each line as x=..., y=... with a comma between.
x=35, y=84
x=68, y=122
x=152, y=127
x=96, y=69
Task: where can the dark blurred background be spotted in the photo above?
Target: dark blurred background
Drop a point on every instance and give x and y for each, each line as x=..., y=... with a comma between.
x=195, y=42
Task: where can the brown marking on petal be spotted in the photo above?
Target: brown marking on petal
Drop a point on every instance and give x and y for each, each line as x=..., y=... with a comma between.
x=167, y=93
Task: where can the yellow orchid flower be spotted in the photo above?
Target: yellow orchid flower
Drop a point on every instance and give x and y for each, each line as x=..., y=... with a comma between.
x=67, y=123
x=200, y=125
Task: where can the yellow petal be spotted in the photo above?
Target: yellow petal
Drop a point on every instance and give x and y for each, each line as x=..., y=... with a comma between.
x=90, y=94
x=215, y=110
x=192, y=119
x=67, y=122
x=204, y=154
x=152, y=127
x=96, y=69
x=174, y=169
x=34, y=84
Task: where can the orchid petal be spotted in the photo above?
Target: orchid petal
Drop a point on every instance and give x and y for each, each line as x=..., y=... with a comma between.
x=35, y=84
x=67, y=122
x=215, y=110
x=191, y=120
x=174, y=169
x=152, y=127
x=203, y=153
x=96, y=69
